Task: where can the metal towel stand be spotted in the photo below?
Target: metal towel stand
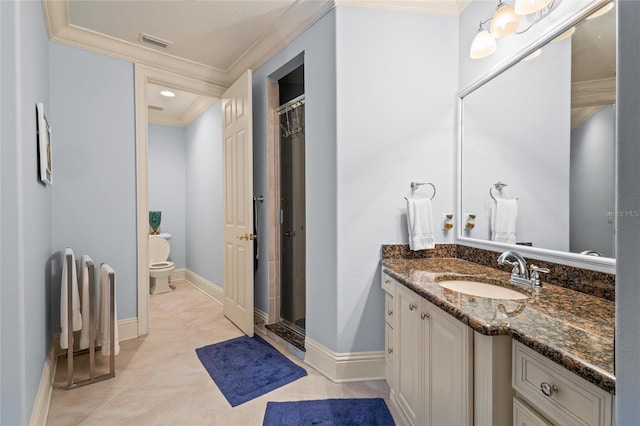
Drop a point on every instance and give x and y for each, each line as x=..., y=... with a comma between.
x=92, y=329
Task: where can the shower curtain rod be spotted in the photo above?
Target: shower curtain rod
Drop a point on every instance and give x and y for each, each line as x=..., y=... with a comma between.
x=291, y=105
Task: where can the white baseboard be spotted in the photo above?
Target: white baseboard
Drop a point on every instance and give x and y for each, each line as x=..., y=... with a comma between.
x=206, y=286
x=127, y=329
x=40, y=410
x=344, y=367
x=178, y=274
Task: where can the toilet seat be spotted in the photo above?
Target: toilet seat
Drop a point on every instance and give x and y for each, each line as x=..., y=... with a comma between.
x=161, y=265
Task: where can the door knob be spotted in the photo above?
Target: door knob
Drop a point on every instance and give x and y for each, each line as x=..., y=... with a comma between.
x=246, y=237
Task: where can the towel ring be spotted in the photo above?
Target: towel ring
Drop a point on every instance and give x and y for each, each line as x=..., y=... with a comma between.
x=416, y=185
x=498, y=185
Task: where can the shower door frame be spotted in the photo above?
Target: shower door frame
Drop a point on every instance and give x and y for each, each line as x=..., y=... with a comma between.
x=278, y=314
x=274, y=195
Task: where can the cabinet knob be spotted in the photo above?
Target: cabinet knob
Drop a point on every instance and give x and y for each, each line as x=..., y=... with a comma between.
x=390, y=350
x=386, y=281
x=548, y=389
x=412, y=306
x=424, y=315
x=389, y=312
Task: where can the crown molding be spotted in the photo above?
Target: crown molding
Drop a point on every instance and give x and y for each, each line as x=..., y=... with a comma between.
x=61, y=31
x=286, y=29
x=200, y=105
x=298, y=18
x=194, y=111
x=433, y=7
x=593, y=92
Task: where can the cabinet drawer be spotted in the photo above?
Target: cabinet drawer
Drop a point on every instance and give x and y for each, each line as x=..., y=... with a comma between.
x=523, y=415
x=388, y=284
x=388, y=309
x=576, y=401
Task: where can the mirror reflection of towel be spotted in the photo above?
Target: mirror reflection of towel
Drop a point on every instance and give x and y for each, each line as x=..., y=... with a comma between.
x=504, y=214
x=420, y=223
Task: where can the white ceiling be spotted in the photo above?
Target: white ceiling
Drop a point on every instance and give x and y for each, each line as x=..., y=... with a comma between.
x=210, y=40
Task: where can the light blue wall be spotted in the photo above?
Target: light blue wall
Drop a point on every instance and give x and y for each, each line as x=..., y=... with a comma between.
x=94, y=197
x=318, y=45
x=396, y=77
x=628, y=226
x=167, y=163
x=593, y=158
x=25, y=205
x=203, y=206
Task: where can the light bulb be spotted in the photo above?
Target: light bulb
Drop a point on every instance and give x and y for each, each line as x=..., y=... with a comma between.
x=527, y=7
x=483, y=45
x=504, y=21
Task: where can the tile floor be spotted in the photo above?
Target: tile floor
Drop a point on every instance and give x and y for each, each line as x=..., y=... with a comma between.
x=160, y=381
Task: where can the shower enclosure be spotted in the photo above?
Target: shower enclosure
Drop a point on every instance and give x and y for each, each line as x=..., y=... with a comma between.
x=292, y=214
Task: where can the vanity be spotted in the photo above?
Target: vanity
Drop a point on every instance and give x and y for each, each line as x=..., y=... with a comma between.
x=457, y=358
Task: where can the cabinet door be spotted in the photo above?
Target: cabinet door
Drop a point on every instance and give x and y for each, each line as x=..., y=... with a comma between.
x=450, y=361
x=409, y=354
x=389, y=355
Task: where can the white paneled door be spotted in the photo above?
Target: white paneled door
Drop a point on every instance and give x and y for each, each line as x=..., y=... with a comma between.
x=237, y=136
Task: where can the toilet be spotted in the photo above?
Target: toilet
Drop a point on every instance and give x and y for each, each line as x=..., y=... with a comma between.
x=159, y=267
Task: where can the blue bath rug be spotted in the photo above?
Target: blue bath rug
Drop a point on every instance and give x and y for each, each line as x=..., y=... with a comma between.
x=349, y=411
x=247, y=367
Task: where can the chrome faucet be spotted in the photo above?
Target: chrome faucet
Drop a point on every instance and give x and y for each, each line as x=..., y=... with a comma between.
x=521, y=274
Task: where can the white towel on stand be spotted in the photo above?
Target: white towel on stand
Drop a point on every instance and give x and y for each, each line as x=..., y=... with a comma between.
x=86, y=303
x=104, y=323
x=75, y=299
x=503, y=221
x=420, y=222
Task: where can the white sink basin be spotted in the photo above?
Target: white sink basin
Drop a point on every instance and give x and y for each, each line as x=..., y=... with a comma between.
x=490, y=291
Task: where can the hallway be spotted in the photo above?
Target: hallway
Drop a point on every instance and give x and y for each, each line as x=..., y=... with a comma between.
x=160, y=381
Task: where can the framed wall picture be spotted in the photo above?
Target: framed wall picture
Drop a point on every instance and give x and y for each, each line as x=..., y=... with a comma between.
x=44, y=146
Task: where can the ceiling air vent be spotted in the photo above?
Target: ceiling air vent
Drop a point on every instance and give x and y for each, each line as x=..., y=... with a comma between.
x=156, y=41
x=155, y=108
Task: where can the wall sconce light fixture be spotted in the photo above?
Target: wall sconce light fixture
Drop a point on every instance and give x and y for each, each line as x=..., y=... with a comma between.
x=507, y=20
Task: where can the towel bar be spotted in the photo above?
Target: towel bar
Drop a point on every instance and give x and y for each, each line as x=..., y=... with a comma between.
x=71, y=384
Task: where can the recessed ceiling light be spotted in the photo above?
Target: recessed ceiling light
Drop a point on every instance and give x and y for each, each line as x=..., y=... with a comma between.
x=167, y=93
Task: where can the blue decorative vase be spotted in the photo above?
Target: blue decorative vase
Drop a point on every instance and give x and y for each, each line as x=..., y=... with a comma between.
x=154, y=221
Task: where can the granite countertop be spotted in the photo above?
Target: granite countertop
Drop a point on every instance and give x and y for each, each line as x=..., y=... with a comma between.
x=574, y=329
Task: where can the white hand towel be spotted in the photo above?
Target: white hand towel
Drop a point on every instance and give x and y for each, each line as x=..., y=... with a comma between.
x=420, y=222
x=86, y=303
x=104, y=325
x=503, y=221
x=75, y=299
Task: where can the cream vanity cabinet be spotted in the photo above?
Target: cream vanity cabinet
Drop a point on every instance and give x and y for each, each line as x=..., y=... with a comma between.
x=431, y=383
x=547, y=393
